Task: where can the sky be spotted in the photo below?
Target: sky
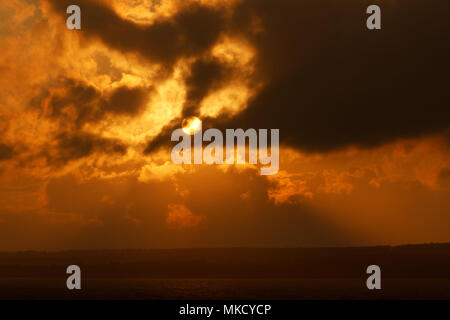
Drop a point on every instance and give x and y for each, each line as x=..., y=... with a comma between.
x=86, y=117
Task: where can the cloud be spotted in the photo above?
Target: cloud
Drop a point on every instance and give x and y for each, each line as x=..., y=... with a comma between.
x=74, y=114
x=6, y=152
x=181, y=217
x=128, y=101
x=188, y=33
x=76, y=102
x=444, y=178
x=154, y=172
x=205, y=76
x=331, y=83
x=72, y=146
x=307, y=177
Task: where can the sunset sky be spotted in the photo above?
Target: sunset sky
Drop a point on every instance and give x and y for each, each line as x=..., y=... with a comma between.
x=86, y=117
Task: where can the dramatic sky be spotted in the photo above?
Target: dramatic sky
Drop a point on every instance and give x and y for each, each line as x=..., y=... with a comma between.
x=86, y=117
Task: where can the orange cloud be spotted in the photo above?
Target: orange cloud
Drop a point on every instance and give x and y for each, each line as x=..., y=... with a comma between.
x=179, y=216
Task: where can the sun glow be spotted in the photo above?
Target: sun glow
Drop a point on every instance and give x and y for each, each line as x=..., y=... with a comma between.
x=191, y=125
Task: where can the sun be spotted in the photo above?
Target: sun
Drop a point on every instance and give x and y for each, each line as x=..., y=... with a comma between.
x=191, y=125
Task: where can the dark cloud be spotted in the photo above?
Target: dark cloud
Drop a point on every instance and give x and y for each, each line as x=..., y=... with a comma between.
x=78, y=103
x=332, y=83
x=72, y=146
x=71, y=104
x=126, y=100
x=206, y=76
x=444, y=178
x=162, y=140
x=6, y=152
x=188, y=33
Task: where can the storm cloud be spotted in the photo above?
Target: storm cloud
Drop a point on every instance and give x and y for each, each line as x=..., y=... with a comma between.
x=332, y=83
